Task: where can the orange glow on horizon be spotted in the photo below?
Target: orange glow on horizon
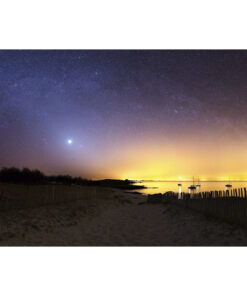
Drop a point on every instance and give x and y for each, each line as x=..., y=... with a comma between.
x=180, y=159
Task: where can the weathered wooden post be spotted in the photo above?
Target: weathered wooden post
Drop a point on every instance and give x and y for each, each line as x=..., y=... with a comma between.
x=53, y=193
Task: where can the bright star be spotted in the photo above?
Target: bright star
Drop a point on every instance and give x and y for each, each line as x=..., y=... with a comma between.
x=69, y=141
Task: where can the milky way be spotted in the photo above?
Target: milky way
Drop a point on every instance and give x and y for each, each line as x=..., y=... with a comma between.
x=119, y=114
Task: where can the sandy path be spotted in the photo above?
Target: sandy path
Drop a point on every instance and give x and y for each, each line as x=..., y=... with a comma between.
x=121, y=224
x=157, y=225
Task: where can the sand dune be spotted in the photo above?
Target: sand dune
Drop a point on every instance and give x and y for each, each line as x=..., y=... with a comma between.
x=123, y=220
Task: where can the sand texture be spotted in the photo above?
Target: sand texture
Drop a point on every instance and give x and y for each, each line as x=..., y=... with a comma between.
x=116, y=218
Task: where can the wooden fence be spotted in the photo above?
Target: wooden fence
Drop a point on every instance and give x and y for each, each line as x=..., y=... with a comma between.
x=14, y=196
x=229, y=205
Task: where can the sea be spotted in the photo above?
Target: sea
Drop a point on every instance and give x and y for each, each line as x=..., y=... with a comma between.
x=164, y=186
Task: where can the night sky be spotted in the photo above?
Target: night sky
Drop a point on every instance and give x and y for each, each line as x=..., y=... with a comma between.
x=125, y=114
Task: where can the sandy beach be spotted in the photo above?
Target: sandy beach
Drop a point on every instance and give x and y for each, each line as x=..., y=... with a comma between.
x=123, y=219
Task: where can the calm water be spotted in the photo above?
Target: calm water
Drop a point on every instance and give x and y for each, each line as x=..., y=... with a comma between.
x=163, y=186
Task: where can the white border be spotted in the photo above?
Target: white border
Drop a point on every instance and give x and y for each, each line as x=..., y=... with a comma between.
x=129, y=24
x=50, y=24
x=122, y=271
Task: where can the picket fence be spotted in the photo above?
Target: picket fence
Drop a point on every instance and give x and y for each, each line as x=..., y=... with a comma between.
x=228, y=205
x=13, y=196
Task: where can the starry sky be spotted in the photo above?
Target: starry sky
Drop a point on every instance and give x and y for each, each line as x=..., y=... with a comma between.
x=125, y=114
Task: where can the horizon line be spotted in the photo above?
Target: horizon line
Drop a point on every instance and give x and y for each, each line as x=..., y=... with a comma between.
x=148, y=180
